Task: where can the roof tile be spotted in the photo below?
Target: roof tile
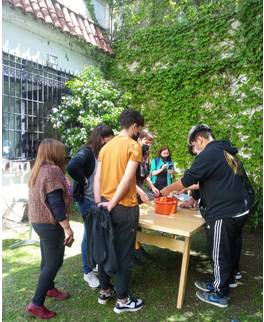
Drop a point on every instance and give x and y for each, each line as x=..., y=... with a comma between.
x=17, y=4
x=36, y=10
x=63, y=18
x=27, y=6
x=46, y=15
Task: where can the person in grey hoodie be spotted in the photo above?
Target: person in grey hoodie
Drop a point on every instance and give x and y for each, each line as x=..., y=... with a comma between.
x=226, y=201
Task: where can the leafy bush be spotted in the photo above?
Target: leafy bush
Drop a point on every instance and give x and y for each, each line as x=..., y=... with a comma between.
x=92, y=100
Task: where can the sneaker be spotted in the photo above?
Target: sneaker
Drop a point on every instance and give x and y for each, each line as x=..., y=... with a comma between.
x=58, y=295
x=132, y=305
x=204, y=286
x=40, y=312
x=212, y=298
x=91, y=279
x=238, y=276
x=233, y=283
x=95, y=269
x=209, y=287
x=104, y=296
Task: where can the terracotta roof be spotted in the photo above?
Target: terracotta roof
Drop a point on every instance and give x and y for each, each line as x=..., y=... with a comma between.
x=53, y=13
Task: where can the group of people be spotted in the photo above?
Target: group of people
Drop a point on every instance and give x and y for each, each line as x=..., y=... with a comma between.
x=110, y=172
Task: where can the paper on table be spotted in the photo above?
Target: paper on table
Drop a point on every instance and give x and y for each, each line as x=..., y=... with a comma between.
x=182, y=197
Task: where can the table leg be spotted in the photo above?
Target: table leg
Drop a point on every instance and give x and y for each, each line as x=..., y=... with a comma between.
x=184, y=271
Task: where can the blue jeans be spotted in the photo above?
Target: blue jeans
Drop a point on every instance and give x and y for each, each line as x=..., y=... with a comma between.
x=83, y=206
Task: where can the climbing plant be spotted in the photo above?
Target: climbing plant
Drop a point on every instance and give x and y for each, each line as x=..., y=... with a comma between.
x=188, y=62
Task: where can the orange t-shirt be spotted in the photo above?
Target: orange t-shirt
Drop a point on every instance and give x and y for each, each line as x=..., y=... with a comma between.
x=114, y=157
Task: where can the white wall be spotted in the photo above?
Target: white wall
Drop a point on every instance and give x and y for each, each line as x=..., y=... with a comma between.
x=77, y=6
x=32, y=39
x=101, y=10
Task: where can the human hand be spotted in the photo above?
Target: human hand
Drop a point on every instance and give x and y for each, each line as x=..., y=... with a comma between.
x=68, y=236
x=165, y=191
x=155, y=191
x=164, y=167
x=144, y=197
x=191, y=203
x=107, y=205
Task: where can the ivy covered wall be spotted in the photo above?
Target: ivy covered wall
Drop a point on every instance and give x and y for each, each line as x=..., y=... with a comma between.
x=194, y=62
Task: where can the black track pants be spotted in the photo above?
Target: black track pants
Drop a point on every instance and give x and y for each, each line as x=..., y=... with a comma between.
x=224, y=241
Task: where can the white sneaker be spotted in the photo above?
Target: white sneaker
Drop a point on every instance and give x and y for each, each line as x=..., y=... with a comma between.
x=91, y=279
x=132, y=305
x=96, y=269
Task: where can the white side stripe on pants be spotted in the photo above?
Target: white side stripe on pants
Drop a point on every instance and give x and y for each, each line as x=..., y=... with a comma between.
x=216, y=247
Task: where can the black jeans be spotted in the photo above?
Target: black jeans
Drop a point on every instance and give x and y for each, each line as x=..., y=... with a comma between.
x=52, y=253
x=224, y=238
x=125, y=224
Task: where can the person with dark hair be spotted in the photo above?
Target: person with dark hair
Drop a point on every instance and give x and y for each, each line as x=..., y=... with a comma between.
x=162, y=169
x=145, y=138
x=227, y=198
x=82, y=168
x=115, y=190
x=48, y=204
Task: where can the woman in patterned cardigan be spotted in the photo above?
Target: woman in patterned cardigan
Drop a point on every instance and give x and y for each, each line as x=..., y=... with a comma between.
x=49, y=202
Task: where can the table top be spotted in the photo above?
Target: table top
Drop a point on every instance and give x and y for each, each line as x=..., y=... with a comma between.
x=184, y=223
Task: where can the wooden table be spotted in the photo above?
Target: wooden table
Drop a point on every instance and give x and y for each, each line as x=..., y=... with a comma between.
x=184, y=223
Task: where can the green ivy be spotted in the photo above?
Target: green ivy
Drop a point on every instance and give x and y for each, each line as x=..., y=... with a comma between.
x=188, y=62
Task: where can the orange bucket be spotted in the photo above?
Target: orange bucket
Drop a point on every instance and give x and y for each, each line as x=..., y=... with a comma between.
x=166, y=205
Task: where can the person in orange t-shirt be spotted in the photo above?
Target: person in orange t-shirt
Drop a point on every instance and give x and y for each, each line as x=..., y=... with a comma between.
x=115, y=190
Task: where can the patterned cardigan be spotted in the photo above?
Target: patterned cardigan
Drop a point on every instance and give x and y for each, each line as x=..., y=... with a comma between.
x=50, y=178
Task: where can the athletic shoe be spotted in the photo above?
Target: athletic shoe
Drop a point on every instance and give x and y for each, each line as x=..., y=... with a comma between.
x=212, y=298
x=208, y=286
x=95, y=269
x=238, y=276
x=104, y=296
x=91, y=279
x=131, y=305
x=233, y=283
x=204, y=286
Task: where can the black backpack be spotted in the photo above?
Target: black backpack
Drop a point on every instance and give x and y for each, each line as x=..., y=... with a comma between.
x=249, y=189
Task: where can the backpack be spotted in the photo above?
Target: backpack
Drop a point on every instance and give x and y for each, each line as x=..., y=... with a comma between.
x=249, y=189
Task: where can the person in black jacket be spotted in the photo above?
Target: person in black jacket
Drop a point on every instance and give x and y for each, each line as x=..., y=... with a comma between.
x=225, y=207
x=82, y=168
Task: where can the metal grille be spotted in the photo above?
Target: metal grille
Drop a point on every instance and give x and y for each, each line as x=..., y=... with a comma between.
x=30, y=90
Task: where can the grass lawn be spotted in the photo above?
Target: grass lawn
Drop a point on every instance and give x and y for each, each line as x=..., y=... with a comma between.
x=156, y=281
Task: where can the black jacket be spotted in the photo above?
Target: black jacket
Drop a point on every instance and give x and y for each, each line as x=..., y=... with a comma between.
x=100, y=238
x=221, y=178
x=80, y=168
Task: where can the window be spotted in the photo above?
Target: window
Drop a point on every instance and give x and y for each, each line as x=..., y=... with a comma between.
x=30, y=90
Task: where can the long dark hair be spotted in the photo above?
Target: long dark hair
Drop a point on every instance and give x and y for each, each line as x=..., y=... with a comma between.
x=95, y=140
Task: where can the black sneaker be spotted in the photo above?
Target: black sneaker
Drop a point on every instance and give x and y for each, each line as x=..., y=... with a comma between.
x=238, y=276
x=233, y=283
x=104, y=296
x=132, y=305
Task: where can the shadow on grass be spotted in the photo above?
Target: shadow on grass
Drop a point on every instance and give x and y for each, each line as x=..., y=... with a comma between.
x=156, y=281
